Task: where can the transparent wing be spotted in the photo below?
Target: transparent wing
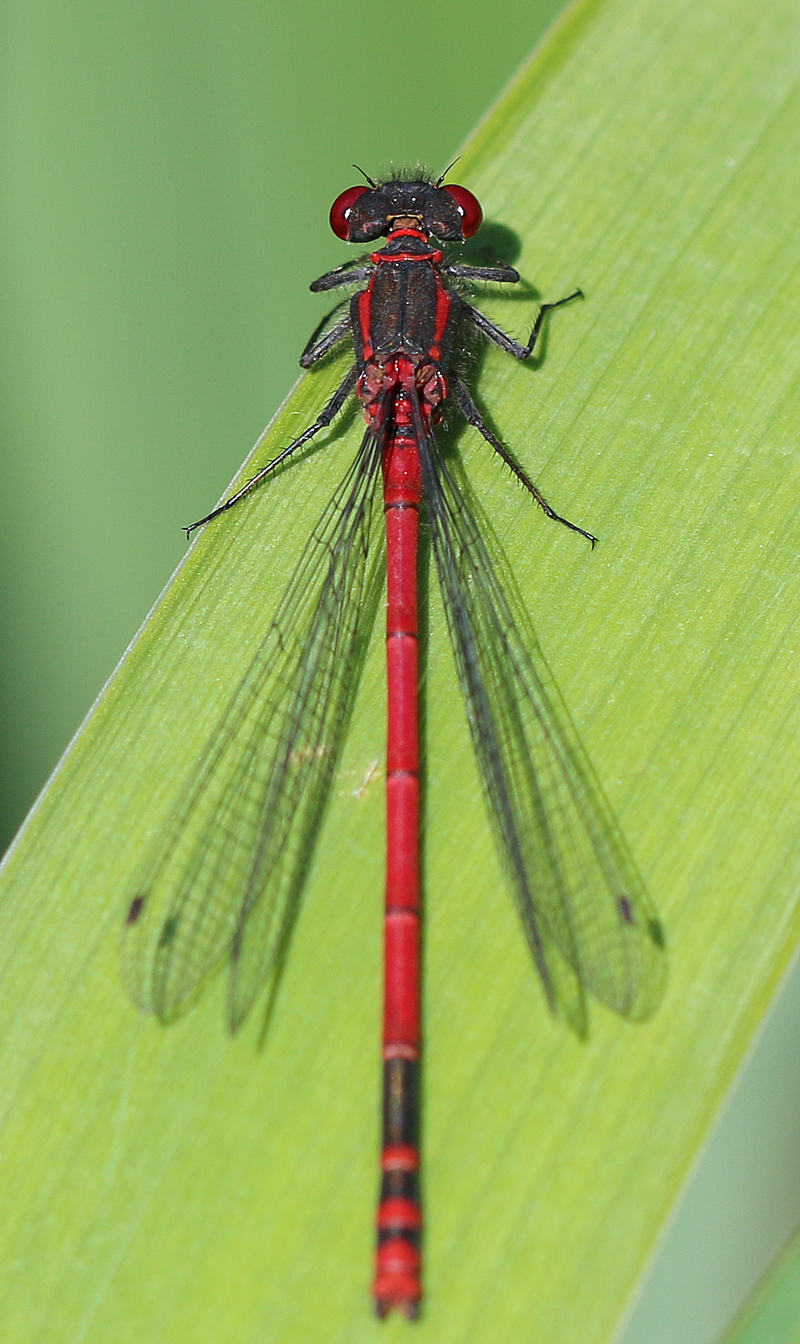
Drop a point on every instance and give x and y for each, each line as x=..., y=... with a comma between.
x=224, y=873
x=586, y=914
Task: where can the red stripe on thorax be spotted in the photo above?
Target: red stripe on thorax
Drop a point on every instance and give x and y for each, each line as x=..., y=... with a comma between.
x=443, y=306
x=364, y=321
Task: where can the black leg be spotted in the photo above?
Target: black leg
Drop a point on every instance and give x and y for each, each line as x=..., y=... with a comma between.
x=350, y=273
x=318, y=346
x=504, y=275
x=473, y=416
x=508, y=343
x=324, y=418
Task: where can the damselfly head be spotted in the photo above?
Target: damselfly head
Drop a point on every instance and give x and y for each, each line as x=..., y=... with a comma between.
x=450, y=213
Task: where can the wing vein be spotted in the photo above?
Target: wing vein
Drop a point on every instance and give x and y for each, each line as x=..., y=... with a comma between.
x=587, y=917
x=225, y=871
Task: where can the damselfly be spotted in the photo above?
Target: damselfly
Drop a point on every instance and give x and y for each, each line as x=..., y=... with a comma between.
x=224, y=876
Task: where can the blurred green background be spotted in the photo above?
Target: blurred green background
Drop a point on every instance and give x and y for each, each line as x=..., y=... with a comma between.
x=166, y=175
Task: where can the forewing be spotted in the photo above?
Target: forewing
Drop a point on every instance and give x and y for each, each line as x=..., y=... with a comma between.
x=224, y=871
x=575, y=884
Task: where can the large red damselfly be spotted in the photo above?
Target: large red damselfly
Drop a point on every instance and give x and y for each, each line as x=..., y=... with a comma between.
x=225, y=873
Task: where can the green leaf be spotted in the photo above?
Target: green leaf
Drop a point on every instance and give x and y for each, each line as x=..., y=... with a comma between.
x=772, y=1316
x=173, y=1184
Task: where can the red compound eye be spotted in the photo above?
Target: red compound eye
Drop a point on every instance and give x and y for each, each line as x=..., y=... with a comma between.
x=469, y=208
x=340, y=211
